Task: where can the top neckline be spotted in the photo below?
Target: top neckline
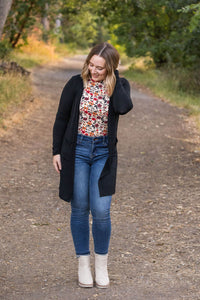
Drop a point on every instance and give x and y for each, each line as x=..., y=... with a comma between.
x=92, y=80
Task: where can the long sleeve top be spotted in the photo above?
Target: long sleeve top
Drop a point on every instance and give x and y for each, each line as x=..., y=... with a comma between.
x=65, y=132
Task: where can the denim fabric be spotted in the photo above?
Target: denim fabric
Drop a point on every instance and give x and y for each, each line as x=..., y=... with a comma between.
x=91, y=155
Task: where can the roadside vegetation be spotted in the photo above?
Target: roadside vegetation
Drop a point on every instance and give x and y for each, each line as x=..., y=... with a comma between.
x=172, y=85
x=16, y=88
x=158, y=40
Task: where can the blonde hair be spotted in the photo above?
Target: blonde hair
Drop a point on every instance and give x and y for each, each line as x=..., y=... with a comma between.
x=111, y=56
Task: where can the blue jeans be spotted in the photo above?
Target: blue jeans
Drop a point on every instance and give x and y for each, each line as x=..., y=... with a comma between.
x=91, y=155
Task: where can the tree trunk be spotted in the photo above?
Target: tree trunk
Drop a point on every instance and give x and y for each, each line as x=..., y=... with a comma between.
x=4, y=9
x=23, y=23
x=45, y=20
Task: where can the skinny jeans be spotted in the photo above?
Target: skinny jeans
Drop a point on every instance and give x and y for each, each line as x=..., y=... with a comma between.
x=91, y=155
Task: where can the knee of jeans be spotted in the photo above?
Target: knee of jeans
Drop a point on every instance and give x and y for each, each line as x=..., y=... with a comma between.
x=80, y=211
x=100, y=213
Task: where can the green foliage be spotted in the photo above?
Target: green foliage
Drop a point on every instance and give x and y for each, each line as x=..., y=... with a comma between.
x=157, y=28
x=22, y=17
x=5, y=49
x=168, y=31
x=81, y=23
x=189, y=80
x=192, y=42
x=195, y=20
x=165, y=83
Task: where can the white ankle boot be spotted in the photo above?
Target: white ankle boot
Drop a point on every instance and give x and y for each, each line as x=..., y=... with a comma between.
x=84, y=272
x=101, y=271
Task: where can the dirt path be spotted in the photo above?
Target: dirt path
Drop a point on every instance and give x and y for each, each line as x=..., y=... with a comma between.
x=155, y=245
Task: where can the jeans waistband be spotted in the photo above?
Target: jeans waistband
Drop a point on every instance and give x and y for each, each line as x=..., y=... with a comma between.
x=92, y=139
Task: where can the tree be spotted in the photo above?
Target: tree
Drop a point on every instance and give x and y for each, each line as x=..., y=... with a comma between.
x=45, y=20
x=23, y=16
x=81, y=23
x=148, y=27
x=4, y=9
x=73, y=21
x=192, y=44
x=195, y=19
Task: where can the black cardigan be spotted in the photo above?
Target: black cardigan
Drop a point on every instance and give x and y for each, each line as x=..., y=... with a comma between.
x=66, y=128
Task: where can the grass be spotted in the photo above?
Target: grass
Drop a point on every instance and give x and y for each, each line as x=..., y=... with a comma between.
x=163, y=83
x=34, y=53
x=166, y=85
x=14, y=90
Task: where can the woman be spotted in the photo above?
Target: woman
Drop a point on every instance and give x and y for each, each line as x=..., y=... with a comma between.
x=85, y=155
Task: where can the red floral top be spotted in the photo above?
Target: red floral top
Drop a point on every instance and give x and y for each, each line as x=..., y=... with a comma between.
x=93, y=118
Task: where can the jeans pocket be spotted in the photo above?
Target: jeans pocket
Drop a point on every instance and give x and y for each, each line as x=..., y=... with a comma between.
x=79, y=140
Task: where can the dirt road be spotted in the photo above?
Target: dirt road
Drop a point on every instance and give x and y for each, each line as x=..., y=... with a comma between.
x=155, y=245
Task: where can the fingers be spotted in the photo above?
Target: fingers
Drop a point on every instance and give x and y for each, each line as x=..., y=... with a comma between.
x=57, y=163
x=57, y=168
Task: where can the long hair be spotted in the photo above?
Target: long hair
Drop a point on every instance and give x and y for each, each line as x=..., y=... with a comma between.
x=111, y=56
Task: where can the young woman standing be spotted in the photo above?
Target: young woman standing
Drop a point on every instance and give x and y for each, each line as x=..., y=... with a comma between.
x=85, y=154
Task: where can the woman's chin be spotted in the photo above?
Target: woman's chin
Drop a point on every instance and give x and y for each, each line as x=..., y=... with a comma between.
x=95, y=78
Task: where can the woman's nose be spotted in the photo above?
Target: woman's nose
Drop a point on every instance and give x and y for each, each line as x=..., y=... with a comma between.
x=94, y=69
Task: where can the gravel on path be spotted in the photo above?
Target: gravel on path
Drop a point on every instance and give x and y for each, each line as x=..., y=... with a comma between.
x=155, y=245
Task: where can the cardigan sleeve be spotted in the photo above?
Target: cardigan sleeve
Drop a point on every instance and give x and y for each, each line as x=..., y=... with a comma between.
x=122, y=102
x=63, y=115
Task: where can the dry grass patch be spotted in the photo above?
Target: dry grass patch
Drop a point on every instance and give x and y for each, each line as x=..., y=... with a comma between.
x=15, y=89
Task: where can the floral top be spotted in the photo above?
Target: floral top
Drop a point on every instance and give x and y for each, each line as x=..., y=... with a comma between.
x=93, y=118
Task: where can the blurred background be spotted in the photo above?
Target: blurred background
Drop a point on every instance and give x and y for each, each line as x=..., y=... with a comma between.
x=155, y=251
x=159, y=41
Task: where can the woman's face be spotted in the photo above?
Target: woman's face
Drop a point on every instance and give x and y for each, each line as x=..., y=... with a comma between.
x=97, y=68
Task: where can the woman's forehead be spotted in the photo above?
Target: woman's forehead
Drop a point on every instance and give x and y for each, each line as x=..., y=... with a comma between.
x=98, y=61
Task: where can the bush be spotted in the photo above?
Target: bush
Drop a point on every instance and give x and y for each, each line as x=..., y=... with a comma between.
x=189, y=81
x=5, y=50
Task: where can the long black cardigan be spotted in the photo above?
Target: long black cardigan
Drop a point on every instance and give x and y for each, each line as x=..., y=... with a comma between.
x=66, y=128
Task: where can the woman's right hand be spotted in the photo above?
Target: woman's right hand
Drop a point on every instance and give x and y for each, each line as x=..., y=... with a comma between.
x=57, y=162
